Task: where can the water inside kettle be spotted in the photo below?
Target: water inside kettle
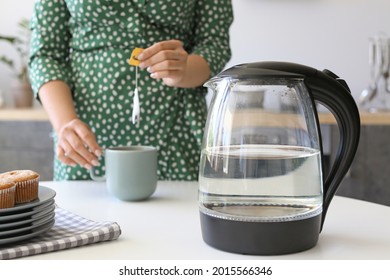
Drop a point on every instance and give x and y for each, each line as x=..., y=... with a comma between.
x=260, y=183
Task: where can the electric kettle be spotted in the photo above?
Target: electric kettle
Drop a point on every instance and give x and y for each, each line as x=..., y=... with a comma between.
x=262, y=189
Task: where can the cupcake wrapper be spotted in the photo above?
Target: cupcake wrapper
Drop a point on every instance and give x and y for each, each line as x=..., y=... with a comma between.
x=7, y=197
x=27, y=191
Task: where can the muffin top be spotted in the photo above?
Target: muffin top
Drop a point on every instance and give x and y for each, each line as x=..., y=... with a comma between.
x=19, y=175
x=6, y=184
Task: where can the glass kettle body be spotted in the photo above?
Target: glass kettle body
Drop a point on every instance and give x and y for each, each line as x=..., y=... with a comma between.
x=261, y=185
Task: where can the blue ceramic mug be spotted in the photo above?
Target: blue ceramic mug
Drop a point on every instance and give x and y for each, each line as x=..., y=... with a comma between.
x=131, y=172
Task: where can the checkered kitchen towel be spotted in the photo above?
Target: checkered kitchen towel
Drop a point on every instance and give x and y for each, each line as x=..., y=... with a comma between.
x=69, y=231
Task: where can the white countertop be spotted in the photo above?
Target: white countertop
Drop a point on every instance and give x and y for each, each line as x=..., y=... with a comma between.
x=167, y=227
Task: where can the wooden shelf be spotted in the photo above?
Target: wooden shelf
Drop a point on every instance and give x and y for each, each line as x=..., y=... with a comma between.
x=28, y=114
x=38, y=114
x=366, y=118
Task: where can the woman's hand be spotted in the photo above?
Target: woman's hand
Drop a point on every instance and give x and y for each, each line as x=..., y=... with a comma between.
x=76, y=142
x=77, y=145
x=166, y=60
x=169, y=61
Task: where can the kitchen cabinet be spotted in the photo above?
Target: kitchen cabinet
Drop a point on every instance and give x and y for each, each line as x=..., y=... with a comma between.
x=368, y=177
x=25, y=141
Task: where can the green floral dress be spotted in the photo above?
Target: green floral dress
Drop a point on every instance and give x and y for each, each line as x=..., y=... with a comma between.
x=87, y=44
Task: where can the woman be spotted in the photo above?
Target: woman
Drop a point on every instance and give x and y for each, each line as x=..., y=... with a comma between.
x=80, y=74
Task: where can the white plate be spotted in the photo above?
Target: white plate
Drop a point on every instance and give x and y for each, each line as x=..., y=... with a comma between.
x=29, y=226
x=28, y=213
x=29, y=234
x=44, y=194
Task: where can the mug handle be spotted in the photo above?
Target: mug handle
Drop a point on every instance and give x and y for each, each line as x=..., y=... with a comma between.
x=95, y=177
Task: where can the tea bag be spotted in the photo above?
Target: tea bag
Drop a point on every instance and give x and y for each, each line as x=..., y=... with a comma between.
x=136, y=107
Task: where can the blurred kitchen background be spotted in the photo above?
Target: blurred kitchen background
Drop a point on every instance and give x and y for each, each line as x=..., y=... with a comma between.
x=332, y=34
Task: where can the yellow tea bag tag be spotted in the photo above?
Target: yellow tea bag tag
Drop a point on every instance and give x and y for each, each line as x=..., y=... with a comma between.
x=133, y=58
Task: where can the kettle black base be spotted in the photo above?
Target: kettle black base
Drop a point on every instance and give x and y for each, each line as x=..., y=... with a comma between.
x=260, y=238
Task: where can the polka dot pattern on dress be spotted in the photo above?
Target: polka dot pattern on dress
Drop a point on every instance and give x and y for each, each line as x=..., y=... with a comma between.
x=86, y=43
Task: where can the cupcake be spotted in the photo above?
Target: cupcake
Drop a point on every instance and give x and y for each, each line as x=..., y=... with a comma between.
x=27, y=182
x=7, y=193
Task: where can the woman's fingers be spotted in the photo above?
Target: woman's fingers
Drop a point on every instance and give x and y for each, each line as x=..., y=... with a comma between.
x=166, y=60
x=159, y=48
x=88, y=137
x=63, y=157
x=77, y=145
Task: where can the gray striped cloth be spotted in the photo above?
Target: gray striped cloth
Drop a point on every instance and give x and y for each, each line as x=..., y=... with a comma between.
x=68, y=231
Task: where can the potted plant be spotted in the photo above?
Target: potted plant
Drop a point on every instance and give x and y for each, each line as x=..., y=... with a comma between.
x=21, y=88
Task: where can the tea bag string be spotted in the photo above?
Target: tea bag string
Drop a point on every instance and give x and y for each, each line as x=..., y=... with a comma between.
x=136, y=78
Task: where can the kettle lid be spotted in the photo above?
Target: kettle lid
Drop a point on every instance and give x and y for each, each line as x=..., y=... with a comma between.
x=270, y=69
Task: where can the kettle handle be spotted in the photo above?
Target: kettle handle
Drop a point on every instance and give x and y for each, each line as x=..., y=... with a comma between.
x=333, y=92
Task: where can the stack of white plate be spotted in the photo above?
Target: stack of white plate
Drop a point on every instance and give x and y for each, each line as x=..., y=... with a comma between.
x=27, y=220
